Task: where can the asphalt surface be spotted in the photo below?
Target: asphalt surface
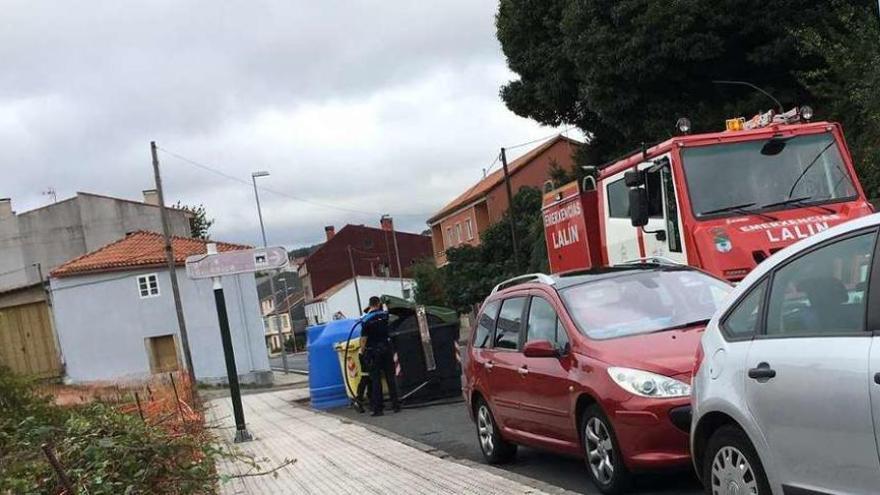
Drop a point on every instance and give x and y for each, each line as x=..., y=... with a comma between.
x=298, y=362
x=448, y=427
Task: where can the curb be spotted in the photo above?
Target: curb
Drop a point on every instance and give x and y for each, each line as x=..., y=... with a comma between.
x=524, y=480
x=280, y=369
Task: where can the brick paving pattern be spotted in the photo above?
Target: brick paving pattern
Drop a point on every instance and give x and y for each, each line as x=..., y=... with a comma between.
x=334, y=457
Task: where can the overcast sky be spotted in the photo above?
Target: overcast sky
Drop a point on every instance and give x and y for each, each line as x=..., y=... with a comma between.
x=380, y=106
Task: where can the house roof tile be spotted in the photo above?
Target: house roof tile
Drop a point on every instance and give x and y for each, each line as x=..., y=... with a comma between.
x=482, y=188
x=137, y=250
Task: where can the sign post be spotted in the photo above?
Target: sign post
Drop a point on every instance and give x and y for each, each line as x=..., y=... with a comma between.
x=215, y=265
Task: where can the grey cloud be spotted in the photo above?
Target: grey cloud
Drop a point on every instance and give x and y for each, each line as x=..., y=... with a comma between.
x=373, y=106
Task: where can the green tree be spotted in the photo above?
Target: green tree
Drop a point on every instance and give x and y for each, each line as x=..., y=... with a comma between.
x=623, y=71
x=849, y=44
x=199, y=223
x=471, y=271
x=430, y=283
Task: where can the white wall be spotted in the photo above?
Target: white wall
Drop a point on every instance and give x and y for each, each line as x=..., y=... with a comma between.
x=103, y=322
x=346, y=301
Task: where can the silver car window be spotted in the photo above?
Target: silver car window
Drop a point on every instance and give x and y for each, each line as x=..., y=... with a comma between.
x=743, y=321
x=823, y=291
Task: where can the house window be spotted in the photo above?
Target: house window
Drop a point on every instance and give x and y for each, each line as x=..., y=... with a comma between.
x=449, y=239
x=469, y=229
x=148, y=285
x=162, y=352
x=458, y=231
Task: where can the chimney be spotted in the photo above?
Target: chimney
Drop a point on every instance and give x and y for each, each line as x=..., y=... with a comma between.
x=387, y=223
x=151, y=197
x=330, y=231
x=6, y=209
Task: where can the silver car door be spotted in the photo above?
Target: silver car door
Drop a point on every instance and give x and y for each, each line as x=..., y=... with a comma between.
x=806, y=372
x=875, y=389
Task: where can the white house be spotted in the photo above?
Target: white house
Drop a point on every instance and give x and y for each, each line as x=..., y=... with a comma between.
x=116, y=319
x=341, y=300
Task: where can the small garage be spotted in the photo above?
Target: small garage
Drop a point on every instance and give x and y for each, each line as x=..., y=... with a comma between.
x=27, y=339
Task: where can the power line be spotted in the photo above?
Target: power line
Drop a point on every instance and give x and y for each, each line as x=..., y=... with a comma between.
x=279, y=193
x=488, y=170
x=497, y=159
x=520, y=145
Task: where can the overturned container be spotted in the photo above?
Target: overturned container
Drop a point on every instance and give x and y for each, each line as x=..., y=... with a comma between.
x=425, y=340
x=326, y=384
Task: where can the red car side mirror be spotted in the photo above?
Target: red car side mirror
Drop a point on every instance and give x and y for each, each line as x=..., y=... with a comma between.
x=540, y=349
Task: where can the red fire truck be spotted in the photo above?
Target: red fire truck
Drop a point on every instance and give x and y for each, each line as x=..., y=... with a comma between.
x=721, y=201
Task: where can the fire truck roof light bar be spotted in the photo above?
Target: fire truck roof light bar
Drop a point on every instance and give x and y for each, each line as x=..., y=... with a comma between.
x=529, y=277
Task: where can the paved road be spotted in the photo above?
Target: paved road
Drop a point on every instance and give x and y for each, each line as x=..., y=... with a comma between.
x=297, y=362
x=448, y=427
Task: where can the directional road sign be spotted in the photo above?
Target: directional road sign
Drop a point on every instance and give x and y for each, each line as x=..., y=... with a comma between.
x=235, y=262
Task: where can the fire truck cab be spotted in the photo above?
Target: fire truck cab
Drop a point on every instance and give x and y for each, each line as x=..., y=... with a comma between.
x=721, y=201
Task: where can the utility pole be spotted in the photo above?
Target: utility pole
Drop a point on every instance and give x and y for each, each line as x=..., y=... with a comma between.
x=289, y=316
x=172, y=272
x=510, y=210
x=357, y=290
x=271, y=275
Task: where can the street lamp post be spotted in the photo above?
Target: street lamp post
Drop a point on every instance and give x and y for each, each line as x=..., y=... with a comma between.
x=263, y=173
x=289, y=316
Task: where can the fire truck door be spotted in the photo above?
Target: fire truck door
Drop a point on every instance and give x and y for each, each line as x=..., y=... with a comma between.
x=621, y=238
x=664, y=216
x=625, y=242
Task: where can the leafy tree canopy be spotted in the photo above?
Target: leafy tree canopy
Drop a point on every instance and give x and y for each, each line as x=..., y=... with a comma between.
x=430, y=284
x=623, y=71
x=199, y=223
x=848, y=44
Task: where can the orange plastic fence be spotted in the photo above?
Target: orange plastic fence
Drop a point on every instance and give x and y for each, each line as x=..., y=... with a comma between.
x=165, y=398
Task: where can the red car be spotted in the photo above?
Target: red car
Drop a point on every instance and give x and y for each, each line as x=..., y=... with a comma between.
x=595, y=364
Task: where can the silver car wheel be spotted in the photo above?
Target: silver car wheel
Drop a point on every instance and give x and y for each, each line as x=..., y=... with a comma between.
x=600, y=450
x=732, y=474
x=486, y=430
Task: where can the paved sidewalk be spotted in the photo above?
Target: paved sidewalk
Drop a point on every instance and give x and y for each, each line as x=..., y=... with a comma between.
x=335, y=457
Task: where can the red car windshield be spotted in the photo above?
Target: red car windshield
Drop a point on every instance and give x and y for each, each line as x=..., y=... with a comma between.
x=643, y=302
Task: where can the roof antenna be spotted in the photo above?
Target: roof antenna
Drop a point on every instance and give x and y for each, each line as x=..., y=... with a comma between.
x=51, y=192
x=744, y=83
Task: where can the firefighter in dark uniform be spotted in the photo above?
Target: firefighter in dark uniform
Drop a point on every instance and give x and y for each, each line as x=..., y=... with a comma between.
x=378, y=356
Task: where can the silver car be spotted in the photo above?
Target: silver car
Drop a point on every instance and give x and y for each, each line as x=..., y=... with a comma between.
x=786, y=398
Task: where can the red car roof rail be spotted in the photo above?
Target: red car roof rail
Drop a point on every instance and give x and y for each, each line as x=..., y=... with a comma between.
x=657, y=260
x=529, y=277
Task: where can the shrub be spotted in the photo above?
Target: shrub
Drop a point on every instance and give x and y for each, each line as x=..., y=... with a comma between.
x=102, y=450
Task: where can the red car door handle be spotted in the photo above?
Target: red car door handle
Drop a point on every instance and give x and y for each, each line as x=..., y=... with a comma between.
x=488, y=365
x=523, y=371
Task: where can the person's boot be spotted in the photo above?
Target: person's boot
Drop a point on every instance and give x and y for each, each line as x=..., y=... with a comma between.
x=396, y=408
x=359, y=406
x=377, y=413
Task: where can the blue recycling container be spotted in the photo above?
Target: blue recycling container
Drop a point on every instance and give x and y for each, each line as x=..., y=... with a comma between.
x=326, y=385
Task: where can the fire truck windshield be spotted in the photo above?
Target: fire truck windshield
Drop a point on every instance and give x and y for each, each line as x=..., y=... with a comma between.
x=751, y=176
